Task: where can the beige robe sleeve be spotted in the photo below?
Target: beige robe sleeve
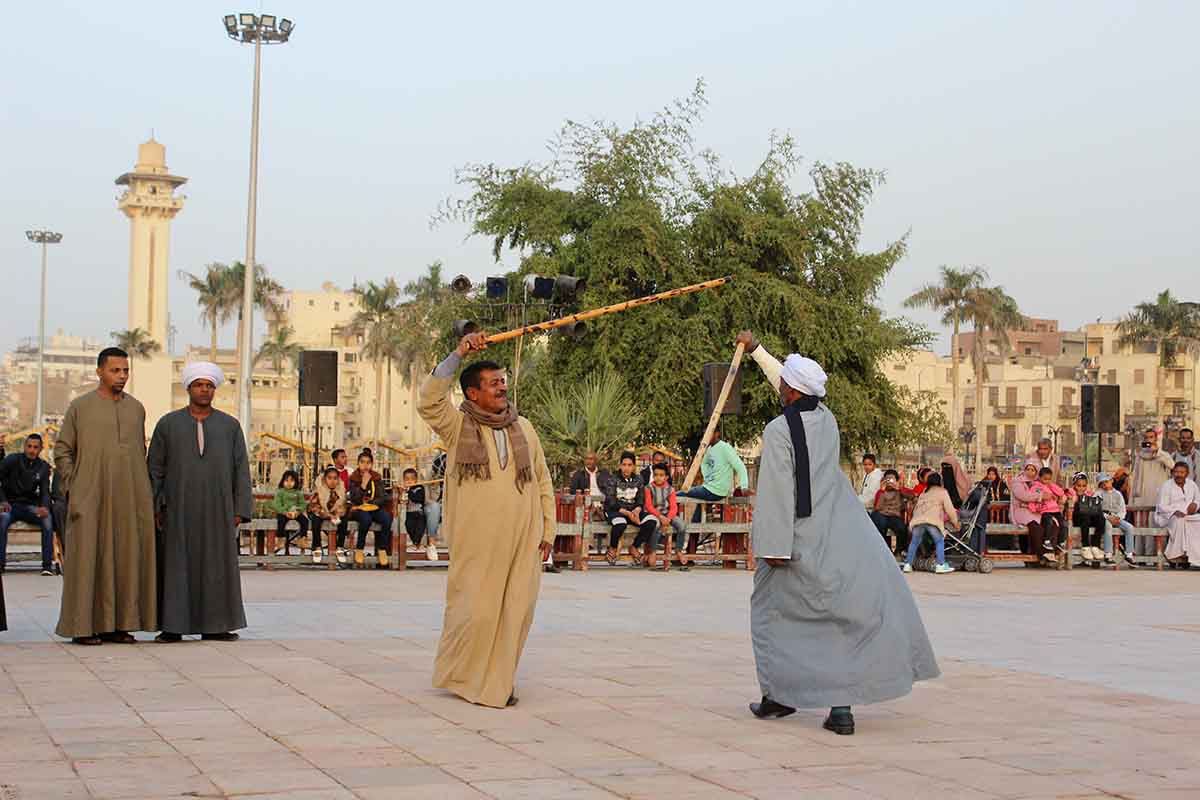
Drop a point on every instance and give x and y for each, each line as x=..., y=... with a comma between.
x=434, y=407
x=770, y=366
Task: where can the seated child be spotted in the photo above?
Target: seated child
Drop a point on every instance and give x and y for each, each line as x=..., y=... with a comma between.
x=1112, y=506
x=289, y=504
x=888, y=512
x=329, y=504
x=1086, y=515
x=414, y=514
x=661, y=504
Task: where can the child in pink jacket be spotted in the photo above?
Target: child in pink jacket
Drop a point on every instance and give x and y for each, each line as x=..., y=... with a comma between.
x=1052, y=494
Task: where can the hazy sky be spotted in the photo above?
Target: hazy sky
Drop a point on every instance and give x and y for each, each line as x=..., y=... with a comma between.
x=1053, y=143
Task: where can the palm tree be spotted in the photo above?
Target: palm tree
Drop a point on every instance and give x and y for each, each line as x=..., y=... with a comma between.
x=1170, y=326
x=138, y=344
x=278, y=349
x=599, y=415
x=213, y=298
x=266, y=297
x=989, y=310
x=376, y=313
x=950, y=297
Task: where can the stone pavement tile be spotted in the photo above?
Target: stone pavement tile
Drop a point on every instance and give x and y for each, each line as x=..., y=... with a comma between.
x=654, y=786
x=1000, y=780
x=362, y=777
x=337, y=758
x=303, y=794
x=448, y=791
x=457, y=746
x=548, y=789
x=54, y=768
x=335, y=737
x=268, y=781
x=30, y=788
x=229, y=762
x=117, y=718
x=200, y=718
x=90, y=768
x=100, y=748
x=141, y=784
x=750, y=781
x=898, y=783
x=705, y=757
x=823, y=793
x=209, y=743
x=516, y=767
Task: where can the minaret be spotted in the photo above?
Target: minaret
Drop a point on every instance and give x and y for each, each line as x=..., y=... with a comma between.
x=150, y=203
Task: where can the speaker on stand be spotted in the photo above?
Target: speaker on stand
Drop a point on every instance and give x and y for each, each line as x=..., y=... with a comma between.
x=318, y=387
x=1100, y=413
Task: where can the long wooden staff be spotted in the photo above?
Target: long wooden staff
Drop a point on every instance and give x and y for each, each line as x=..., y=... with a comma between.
x=582, y=316
x=716, y=415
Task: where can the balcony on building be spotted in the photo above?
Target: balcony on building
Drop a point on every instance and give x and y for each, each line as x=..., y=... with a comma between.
x=1066, y=411
x=1009, y=412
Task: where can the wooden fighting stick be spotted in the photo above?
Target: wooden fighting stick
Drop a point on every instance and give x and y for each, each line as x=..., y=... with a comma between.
x=583, y=316
x=708, y=432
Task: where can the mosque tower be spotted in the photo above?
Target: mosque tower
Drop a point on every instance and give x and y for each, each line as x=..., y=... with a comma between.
x=150, y=202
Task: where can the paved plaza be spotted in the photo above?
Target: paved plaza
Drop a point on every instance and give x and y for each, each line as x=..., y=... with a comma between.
x=634, y=685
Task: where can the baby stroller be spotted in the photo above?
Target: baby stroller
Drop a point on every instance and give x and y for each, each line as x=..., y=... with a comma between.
x=964, y=545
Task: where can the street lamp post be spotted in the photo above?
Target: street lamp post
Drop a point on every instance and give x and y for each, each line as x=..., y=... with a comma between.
x=43, y=238
x=967, y=435
x=256, y=29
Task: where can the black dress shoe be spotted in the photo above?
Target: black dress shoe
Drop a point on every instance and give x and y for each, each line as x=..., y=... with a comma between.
x=511, y=701
x=118, y=637
x=88, y=640
x=840, y=722
x=168, y=637
x=219, y=637
x=769, y=709
x=552, y=568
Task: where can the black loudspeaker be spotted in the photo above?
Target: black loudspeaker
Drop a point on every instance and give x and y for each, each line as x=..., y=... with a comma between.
x=714, y=379
x=1100, y=409
x=318, y=378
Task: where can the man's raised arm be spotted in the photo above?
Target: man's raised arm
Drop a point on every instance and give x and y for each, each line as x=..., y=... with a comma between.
x=770, y=366
x=433, y=403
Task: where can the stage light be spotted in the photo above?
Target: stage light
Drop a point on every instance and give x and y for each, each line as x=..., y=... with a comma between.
x=575, y=330
x=461, y=284
x=464, y=326
x=497, y=287
x=539, y=286
x=568, y=286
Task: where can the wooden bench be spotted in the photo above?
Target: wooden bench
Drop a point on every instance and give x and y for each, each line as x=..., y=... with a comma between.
x=999, y=525
x=578, y=530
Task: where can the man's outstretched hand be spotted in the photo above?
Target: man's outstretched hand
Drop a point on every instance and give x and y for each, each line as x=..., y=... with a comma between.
x=544, y=551
x=471, y=343
x=747, y=338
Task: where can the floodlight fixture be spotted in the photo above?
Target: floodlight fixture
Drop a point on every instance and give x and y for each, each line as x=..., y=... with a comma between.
x=539, y=286
x=462, y=327
x=568, y=286
x=497, y=287
x=461, y=284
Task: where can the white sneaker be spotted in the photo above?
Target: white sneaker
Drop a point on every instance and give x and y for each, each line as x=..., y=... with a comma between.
x=906, y=567
x=341, y=556
x=431, y=552
x=316, y=556
x=943, y=569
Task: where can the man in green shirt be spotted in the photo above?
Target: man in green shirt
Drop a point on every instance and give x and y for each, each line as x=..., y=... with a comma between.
x=721, y=464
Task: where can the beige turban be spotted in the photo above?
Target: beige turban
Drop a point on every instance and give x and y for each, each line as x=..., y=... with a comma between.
x=804, y=375
x=195, y=370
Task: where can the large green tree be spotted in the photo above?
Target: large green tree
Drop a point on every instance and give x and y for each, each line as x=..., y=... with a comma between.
x=377, y=315
x=636, y=210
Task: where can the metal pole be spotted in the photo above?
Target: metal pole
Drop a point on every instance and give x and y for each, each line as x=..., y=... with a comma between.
x=41, y=382
x=317, y=448
x=247, y=366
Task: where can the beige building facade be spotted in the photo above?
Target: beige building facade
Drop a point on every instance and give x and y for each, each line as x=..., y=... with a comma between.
x=1033, y=386
x=70, y=370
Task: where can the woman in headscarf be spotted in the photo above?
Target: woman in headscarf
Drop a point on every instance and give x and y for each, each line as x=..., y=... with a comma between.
x=997, y=488
x=1027, y=496
x=955, y=480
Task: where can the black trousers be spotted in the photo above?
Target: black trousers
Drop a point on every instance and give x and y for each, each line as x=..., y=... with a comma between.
x=315, y=524
x=645, y=531
x=886, y=524
x=1052, y=529
x=281, y=522
x=1091, y=529
x=414, y=523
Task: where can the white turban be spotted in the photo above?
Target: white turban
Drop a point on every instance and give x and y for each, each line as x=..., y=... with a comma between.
x=195, y=370
x=804, y=375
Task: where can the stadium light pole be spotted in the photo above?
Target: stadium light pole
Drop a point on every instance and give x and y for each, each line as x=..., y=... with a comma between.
x=256, y=29
x=43, y=238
